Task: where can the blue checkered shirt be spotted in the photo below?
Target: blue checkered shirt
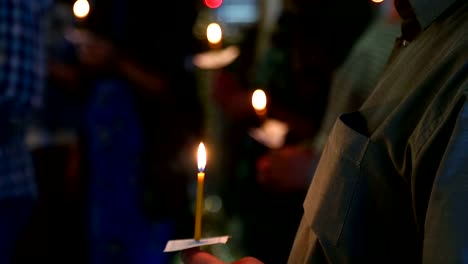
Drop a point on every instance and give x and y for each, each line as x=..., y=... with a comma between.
x=22, y=72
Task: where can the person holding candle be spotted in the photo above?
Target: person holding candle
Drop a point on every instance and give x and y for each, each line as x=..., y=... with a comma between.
x=391, y=184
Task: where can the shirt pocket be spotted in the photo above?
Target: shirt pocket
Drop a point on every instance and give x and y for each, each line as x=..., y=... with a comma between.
x=335, y=183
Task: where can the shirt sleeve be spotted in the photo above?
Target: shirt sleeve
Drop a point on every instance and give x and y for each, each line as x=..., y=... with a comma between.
x=446, y=226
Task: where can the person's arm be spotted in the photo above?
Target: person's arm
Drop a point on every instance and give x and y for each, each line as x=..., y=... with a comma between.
x=234, y=100
x=100, y=55
x=151, y=81
x=446, y=230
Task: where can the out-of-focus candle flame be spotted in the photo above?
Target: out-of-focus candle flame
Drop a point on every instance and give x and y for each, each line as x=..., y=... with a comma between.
x=259, y=100
x=81, y=8
x=201, y=157
x=214, y=34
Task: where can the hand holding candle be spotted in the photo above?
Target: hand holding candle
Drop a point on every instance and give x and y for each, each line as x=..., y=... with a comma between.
x=201, y=158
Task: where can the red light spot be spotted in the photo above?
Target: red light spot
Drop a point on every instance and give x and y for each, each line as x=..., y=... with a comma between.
x=213, y=3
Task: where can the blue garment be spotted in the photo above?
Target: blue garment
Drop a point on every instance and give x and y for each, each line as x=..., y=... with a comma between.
x=22, y=72
x=120, y=232
x=22, y=57
x=16, y=169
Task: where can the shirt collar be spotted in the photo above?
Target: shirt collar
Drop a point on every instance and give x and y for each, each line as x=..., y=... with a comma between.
x=428, y=10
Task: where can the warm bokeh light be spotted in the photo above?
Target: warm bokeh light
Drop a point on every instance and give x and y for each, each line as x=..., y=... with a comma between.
x=213, y=3
x=214, y=34
x=215, y=59
x=81, y=8
x=259, y=100
x=201, y=157
x=377, y=1
x=213, y=203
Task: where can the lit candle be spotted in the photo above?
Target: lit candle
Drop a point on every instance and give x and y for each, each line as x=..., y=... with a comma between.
x=201, y=159
x=81, y=9
x=259, y=102
x=214, y=34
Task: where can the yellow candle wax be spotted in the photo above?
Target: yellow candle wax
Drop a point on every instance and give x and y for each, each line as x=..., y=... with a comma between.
x=199, y=205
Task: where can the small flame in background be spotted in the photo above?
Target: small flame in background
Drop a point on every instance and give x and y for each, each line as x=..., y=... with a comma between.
x=259, y=100
x=214, y=34
x=81, y=8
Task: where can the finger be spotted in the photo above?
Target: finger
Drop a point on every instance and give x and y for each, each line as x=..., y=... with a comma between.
x=187, y=254
x=247, y=260
x=196, y=256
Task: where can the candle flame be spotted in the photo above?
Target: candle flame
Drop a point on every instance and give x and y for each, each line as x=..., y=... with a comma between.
x=259, y=100
x=201, y=157
x=214, y=33
x=81, y=8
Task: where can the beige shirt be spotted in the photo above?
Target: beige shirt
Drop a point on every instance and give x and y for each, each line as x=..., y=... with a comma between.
x=392, y=182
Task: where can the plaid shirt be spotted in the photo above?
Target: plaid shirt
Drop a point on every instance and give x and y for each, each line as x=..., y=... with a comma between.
x=22, y=72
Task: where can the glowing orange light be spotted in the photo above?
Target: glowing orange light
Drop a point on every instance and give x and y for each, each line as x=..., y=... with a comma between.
x=259, y=100
x=214, y=34
x=81, y=8
x=377, y=1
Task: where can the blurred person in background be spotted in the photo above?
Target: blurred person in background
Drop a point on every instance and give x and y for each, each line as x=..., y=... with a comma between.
x=356, y=78
x=391, y=182
x=353, y=81
x=296, y=73
x=22, y=79
x=141, y=122
x=58, y=230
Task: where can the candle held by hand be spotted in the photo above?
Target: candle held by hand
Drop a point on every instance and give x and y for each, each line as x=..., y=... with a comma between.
x=201, y=159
